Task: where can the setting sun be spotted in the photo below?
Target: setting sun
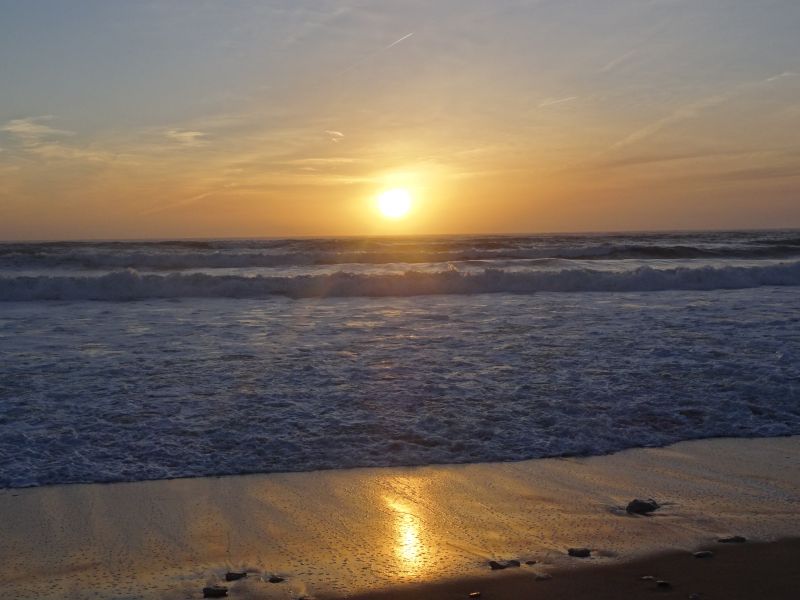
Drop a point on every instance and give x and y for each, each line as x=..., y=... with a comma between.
x=394, y=203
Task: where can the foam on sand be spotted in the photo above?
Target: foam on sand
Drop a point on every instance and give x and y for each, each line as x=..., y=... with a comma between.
x=353, y=530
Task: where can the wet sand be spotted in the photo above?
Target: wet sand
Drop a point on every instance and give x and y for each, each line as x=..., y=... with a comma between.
x=340, y=533
x=769, y=571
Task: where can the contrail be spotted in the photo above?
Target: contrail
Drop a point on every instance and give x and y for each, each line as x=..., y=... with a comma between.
x=369, y=57
x=394, y=43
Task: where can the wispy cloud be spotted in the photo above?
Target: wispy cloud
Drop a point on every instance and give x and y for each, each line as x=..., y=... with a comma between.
x=693, y=109
x=334, y=136
x=554, y=101
x=31, y=130
x=187, y=138
x=616, y=62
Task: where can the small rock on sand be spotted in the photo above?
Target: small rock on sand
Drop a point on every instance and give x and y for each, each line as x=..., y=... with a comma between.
x=664, y=585
x=642, y=507
x=496, y=566
x=275, y=579
x=512, y=563
x=734, y=539
x=543, y=576
x=474, y=594
x=215, y=591
x=648, y=578
x=530, y=562
x=579, y=552
x=703, y=554
x=235, y=575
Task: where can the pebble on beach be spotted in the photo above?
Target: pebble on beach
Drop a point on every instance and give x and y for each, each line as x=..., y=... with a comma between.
x=276, y=579
x=663, y=584
x=235, y=575
x=474, y=594
x=734, y=539
x=215, y=591
x=543, y=576
x=496, y=566
x=642, y=507
x=703, y=554
x=579, y=552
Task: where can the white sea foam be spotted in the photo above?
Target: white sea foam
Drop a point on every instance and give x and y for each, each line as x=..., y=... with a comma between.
x=408, y=351
x=99, y=391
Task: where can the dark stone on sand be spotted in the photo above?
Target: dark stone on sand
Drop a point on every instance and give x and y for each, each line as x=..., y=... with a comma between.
x=474, y=594
x=276, y=579
x=734, y=539
x=530, y=562
x=664, y=585
x=703, y=554
x=648, y=578
x=215, y=591
x=512, y=563
x=235, y=575
x=496, y=566
x=642, y=507
x=579, y=552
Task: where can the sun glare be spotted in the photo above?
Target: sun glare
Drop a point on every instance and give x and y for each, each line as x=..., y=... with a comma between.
x=394, y=203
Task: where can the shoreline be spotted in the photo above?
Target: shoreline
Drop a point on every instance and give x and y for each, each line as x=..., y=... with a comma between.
x=336, y=534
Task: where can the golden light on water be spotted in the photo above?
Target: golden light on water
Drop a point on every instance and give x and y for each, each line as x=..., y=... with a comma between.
x=394, y=203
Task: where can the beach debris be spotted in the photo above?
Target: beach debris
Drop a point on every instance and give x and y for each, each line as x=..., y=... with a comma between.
x=734, y=539
x=276, y=579
x=703, y=554
x=664, y=585
x=498, y=566
x=530, y=562
x=642, y=507
x=579, y=552
x=474, y=594
x=235, y=575
x=215, y=591
x=543, y=576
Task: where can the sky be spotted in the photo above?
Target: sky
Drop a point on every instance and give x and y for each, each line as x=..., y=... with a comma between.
x=200, y=118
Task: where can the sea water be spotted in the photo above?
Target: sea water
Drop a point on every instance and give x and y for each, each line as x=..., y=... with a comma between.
x=124, y=361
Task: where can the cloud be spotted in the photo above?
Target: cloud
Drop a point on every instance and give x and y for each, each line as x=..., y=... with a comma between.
x=693, y=109
x=187, y=138
x=333, y=135
x=30, y=131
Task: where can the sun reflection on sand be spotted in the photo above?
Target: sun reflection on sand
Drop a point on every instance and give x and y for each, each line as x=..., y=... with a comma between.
x=407, y=541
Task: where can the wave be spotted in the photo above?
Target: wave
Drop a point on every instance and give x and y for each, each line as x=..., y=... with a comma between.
x=103, y=259
x=132, y=285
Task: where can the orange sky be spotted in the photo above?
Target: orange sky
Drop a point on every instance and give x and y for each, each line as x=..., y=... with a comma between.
x=284, y=119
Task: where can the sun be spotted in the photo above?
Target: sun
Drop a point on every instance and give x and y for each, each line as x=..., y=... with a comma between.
x=394, y=203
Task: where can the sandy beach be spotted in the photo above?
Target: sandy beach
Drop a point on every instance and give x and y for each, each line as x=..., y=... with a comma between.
x=342, y=533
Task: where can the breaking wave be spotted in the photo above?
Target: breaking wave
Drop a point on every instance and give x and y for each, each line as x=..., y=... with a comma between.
x=132, y=285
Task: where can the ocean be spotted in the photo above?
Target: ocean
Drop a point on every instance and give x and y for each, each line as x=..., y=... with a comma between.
x=126, y=361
